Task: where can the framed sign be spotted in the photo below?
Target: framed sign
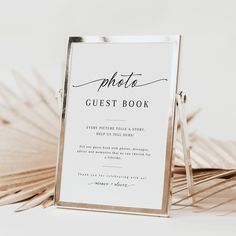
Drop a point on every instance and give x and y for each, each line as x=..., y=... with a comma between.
x=117, y=124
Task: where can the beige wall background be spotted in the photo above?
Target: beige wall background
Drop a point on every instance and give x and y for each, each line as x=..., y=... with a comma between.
x=33, y=34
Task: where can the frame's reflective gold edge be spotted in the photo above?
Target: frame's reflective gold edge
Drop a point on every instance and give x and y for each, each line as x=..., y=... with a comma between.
x=172, y=125
x=170, y=132
x=113, y=209
x=62, y=132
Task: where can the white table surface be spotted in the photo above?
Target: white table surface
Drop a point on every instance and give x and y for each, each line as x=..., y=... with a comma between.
x=54, y=221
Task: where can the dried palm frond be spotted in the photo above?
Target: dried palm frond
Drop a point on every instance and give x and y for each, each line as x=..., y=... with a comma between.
x=214, y=189
x=214, y=164
x=29, y=128
x=208, y=153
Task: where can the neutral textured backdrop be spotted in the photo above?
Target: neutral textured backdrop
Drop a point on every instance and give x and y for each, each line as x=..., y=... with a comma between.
x=35, y=33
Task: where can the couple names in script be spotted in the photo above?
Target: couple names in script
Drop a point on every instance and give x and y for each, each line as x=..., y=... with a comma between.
x=125, y=81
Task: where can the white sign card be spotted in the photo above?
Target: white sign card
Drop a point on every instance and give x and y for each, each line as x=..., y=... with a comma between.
x=117, y=125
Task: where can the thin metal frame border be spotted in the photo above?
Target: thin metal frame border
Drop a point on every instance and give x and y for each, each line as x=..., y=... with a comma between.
x=164, y=211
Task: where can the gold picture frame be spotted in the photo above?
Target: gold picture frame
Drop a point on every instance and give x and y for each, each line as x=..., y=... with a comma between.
x=164, y=210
